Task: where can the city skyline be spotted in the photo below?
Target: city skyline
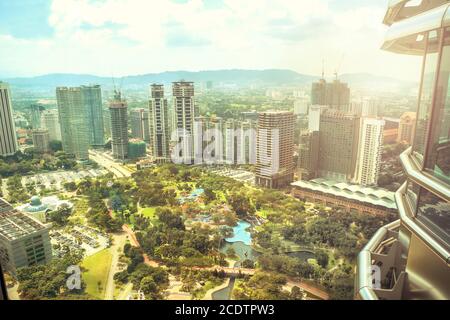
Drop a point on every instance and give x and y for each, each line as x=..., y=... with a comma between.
x=196, y=35
x=227, y=185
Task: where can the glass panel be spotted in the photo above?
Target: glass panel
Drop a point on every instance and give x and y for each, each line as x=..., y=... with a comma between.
x=412, y=194
x=438, y=161
x=426, y=95
x=435, y=213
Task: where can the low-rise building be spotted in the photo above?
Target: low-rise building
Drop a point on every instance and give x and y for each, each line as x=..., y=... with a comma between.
x=24, y=241
x=350, y=197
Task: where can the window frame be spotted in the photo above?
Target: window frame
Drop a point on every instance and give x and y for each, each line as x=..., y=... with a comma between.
x=421, y=163
x=425, y=163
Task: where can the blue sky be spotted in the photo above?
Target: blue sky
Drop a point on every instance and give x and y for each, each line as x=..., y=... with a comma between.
x=123, y=37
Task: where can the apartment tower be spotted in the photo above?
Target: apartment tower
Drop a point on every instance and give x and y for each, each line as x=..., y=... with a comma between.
x=185, y=112
x=159, y=123
x=275, y=149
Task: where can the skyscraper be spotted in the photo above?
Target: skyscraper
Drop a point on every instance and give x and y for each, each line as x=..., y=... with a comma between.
x=41, y=140
x=35, y=115
x=406, y=127
x=239, y=139
x=139, y=124
x=275, y=149
x=8, y=139
x=92, y=99
x=335, y=95
x=409, y=258
x=50, y=121
x=339, y=136
x=119, y=126
x=74, y=122
x=158, y=120
x=369, y=154
x=208, y=140
x=308, y=158
x=184, y=112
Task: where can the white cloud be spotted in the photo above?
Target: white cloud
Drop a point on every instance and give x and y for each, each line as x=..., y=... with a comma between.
x=137, y=36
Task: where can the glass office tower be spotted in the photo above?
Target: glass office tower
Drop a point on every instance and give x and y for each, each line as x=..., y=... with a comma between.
x=410, y=258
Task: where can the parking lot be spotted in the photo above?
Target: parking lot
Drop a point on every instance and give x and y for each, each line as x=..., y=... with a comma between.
x=56, y=180
x=76, y=238
x=236, y=174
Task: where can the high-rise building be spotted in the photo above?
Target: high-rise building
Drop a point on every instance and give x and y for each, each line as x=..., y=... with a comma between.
x=409, y=258
x=314, y=117
x=308, y=158
x=24, y=240
x=370, y=107
x=301, y=106
x=369, y=154
x=35, y=115
x=41, y=140
x=74, y=122
x=50, y=121
x=159, y=123
x=119, y=126
x=239, y=139
x=185, y=112
x=107, y=122
x=92, y=99
x=208, y=140
x=139, y=124
x=406, y=127
x=339, y=136
x=8, y=139
x=275, y=149
x=335, y=95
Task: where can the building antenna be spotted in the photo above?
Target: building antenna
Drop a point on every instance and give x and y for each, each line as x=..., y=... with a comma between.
x=323, y=68
x=336, y=72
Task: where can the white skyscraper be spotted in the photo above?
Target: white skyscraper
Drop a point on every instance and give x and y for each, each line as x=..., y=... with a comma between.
x=158, y=124
x=50, y=121
x=8, y=139
x=184, y=113
x=369, y=153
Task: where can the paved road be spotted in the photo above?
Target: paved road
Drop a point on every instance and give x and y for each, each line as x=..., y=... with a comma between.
x=117, y=169
x=118, y=243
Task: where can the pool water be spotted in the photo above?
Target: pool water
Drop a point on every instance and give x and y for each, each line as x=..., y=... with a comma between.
x=241, y=234
x=193, y=196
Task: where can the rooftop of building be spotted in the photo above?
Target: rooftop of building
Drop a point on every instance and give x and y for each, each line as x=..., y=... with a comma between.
x=15, y=224
x=280, y=112
x=372, y=195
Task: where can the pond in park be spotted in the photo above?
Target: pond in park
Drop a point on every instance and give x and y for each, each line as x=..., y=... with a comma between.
x=241, y=233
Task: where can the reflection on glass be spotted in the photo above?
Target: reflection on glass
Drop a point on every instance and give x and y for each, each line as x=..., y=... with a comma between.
x=435, y=213
x=439, y=156
x=412, y=194
x=426, y=98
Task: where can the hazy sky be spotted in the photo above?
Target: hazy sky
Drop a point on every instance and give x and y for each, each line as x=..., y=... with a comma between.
x=122, y=37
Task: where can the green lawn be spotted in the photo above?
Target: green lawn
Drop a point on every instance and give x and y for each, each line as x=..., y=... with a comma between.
x=97, y=268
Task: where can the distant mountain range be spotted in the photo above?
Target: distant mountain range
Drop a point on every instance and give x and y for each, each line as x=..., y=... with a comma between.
x=239, y=77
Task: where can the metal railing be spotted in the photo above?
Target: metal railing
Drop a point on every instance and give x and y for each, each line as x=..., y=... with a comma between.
x=379, y=275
